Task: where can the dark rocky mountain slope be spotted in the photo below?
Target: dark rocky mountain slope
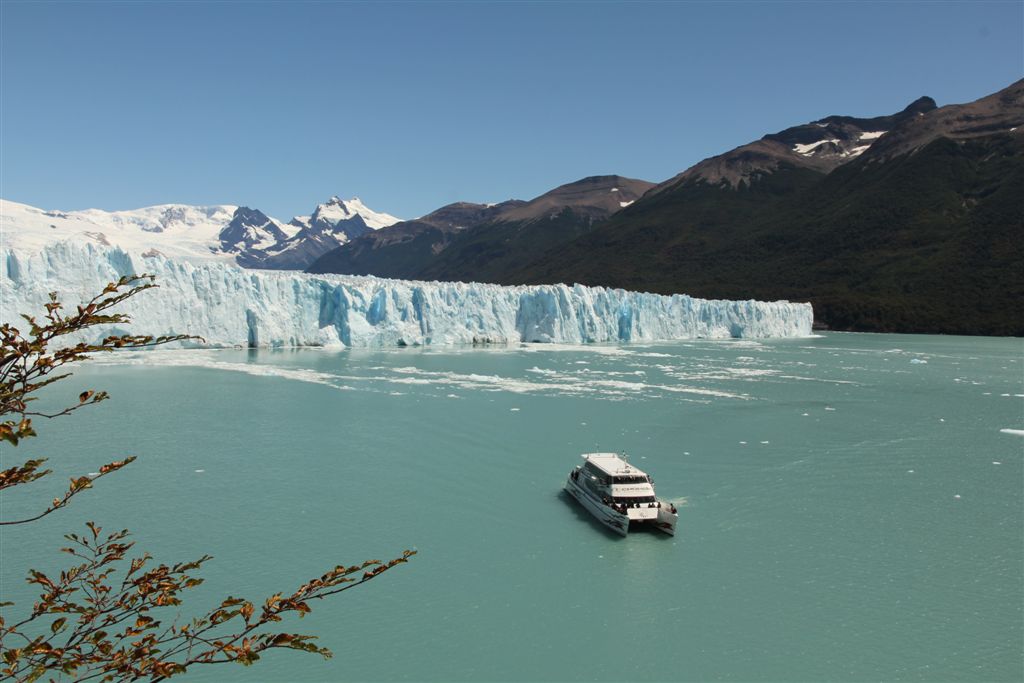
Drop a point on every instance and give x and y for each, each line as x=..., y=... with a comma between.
x=402, y=250
x=479, y=242
x=917, y=229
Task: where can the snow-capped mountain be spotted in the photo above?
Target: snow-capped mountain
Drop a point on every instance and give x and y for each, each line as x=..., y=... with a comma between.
x=820, y=146
x=189, y=232
x=337, y=210
x=909, y=222
x=251, y=229
x=224, y=232
x=331, y=225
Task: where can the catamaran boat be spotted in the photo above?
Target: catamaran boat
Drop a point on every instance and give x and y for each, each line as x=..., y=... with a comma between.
x=618, y=494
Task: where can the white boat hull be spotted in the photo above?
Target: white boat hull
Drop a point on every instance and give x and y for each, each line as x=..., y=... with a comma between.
x=667, y=518
x=616, y=494
x=613, y=519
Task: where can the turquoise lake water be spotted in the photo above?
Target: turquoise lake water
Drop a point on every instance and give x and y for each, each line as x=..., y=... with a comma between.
x=850, y=509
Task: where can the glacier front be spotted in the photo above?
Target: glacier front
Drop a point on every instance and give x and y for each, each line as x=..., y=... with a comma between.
x=230, y=306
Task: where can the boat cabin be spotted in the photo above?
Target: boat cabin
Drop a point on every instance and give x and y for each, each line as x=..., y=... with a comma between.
x=613, y=467
x=610, y=476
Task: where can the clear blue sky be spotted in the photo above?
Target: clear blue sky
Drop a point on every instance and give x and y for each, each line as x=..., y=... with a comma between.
x=411, y=106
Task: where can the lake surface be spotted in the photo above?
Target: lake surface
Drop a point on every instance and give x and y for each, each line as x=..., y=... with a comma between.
x=849, y=508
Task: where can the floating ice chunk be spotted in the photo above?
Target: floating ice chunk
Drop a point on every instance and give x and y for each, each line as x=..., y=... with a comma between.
x=996, y=462
x=199, y=471
x=956, y=496
x=743, y=443
x=764, y=442
x=1015, y=432
x=94, y=474
x=830, y=408
x=516, y=410
x=910, y=471
x=918, y=361
x=804, y=414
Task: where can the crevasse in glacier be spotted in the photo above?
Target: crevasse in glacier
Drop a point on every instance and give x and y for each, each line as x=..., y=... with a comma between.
x=228, y=306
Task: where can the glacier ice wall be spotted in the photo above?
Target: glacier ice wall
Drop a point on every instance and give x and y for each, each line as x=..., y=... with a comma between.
x=229, y=306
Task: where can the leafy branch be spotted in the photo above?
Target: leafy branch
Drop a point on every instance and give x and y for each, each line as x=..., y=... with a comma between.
x=104, y=617
x=28, y=472
x=27, y=364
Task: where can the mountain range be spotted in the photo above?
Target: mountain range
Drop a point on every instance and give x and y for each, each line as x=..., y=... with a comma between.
x=226, y=232
x=912, y=223
x=480, y=242
x=908, y=222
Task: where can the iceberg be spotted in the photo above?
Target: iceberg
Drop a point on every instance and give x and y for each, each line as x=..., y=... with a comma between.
x=231, y=306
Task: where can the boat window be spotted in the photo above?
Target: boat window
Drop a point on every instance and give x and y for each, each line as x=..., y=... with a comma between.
x=629, y=500
x=595, y=471
x=631, y=479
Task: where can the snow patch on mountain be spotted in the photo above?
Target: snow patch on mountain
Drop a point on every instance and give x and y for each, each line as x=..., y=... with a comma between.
x=228, y=305
x=808, y=149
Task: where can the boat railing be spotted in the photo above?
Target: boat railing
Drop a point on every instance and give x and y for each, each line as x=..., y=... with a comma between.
x=623, y=506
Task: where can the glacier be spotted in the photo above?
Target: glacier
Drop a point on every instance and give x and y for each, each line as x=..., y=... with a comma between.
x=231, y=306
